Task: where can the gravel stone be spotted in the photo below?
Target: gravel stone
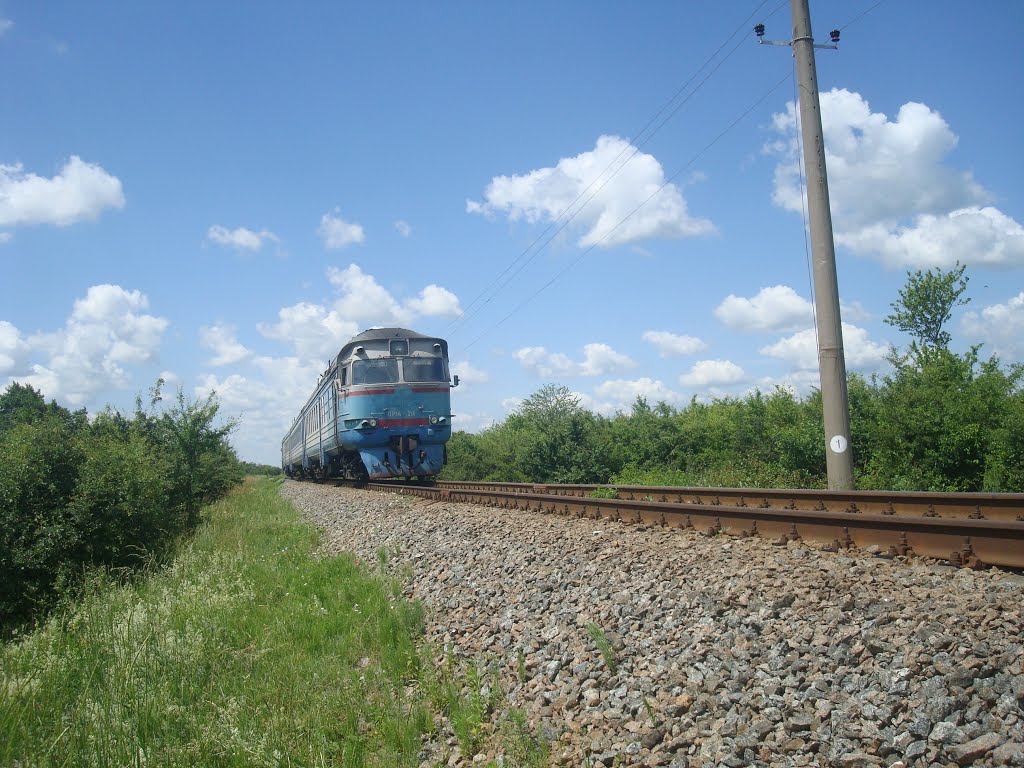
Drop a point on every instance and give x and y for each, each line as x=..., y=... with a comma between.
x=967, y=754
x=716, y=650
x=1010, y=753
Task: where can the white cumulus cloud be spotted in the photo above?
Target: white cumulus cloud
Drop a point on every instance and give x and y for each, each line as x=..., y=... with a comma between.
x=363, y=299
x=602, y=191
x=266, y=400
x=315, y=332
x=469, y=375
x=1000, y=327
x=712, y=373
x=241, y=238
x=318, y=331
x=801, y=350
x=968, y=235
x=80, y=191
x=673, y=345
x=337, y=233
x=598, y=360
x=893, y=195
x=622, y=393
x=14, y=350
x=436, y=301
x=220, y=339
x=107, y=333
x=775, y=308
x=403, y=228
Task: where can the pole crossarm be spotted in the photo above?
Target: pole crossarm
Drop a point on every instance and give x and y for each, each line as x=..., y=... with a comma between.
x=830, y=46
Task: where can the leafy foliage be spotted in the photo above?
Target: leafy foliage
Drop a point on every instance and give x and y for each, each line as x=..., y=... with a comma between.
x=926, y=304
x=111, y=494
x=938, y=421
x=251, y=468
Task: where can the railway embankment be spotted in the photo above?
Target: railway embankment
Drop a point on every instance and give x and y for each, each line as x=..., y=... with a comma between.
x=627, y=645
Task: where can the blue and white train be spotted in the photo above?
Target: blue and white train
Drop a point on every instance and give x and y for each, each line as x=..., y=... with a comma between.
x=381, y=409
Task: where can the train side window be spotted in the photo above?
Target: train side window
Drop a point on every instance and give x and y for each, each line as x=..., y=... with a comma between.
x=344, y=376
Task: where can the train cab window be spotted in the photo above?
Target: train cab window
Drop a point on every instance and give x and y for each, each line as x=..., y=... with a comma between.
x=344, y=376
x=423, y=369
x=378, y=371
x=399, y=347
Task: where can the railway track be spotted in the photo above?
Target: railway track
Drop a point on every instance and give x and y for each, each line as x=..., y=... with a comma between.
x=972, y=530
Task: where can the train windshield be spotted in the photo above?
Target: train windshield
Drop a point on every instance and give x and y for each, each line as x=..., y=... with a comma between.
x=381, y=371
x=423, y=369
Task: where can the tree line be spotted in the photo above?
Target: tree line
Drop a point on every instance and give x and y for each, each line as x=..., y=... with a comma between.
x=938, y=421
x=114, y=491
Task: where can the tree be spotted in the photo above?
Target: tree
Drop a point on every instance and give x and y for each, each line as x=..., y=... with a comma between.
x=204, y=465
x=942, y=426
x=926, y=304
x=20, y=404
x=23, y=404
x=550, y=402
x=942, y=421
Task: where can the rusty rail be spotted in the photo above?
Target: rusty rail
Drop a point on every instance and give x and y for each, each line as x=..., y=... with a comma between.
x=975, y=506
x=971, y=530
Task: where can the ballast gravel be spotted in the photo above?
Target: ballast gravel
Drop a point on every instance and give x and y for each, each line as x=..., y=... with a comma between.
x=629, y=645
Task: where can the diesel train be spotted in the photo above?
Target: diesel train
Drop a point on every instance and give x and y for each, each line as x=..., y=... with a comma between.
x=381, y=409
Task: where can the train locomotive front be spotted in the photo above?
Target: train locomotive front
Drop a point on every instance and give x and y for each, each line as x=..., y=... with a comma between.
x=381, y=409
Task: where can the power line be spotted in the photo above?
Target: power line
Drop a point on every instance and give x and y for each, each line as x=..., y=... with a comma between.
x=861, y=16
x=628, y=216
x=498, y=284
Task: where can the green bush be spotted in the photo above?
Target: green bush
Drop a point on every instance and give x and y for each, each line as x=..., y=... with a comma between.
x=76, y=496
x=39, y=533
x=121, y=500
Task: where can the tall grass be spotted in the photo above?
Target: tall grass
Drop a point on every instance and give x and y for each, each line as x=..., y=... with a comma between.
x=246, y=650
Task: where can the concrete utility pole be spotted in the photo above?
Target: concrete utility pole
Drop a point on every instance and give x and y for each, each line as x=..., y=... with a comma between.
x=831, y=360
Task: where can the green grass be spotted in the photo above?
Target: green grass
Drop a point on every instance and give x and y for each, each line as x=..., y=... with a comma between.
x=604, y=646
x=246, y=650
x=467, y=696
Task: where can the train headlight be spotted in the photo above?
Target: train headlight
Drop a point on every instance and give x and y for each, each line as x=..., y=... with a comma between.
x=367, y=423
x=433, y=419
x=373, y=422
x=441, y=419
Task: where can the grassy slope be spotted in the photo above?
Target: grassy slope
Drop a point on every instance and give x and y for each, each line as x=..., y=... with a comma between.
x=246, y=650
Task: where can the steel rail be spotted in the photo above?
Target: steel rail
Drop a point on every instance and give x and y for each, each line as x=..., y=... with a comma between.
x=977, y=506
x=962, y=540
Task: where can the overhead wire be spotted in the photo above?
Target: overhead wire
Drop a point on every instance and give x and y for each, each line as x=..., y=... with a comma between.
x=602, y=185
x=860, y=16
x=628, y=216
x=498, y=284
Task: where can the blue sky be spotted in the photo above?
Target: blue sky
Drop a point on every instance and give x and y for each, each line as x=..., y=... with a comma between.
x=223, y=194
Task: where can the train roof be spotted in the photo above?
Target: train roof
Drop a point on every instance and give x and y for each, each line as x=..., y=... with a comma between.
x=372, y=334
x=376, y=334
